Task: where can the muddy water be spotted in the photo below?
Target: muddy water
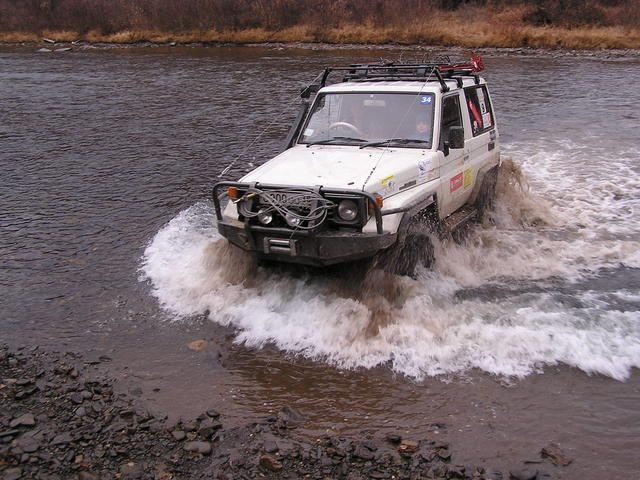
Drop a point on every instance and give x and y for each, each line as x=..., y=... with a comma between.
x=528, y=333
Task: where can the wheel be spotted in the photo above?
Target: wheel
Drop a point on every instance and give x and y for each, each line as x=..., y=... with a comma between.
x=347, y=126
x=417, y=249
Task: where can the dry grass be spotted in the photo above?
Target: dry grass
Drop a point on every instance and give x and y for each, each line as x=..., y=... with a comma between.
x=470, y=26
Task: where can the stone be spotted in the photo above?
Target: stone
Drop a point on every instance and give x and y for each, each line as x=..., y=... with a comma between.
x=198, y=447
x=557, y=456
x=197, y=345
x=456, y=471
x=370, y=445
x=191, y=426
x=290, y=414
x=179, y=435
x=269, y=445
x=76, y=398
x=393, y=438
x=12, y=474
x=62, y=439
x=363, y=453
x=444, y=454
x=81, y=412
x=523, y=474
x=86, y=476
x=208, y=427
x=269, y=462
x=25, y=393
x=326, y=462
x=29, y=444
x=25, y=420
x=212, y=413
x=407, y=447
x=131, y=471
x=491, y=474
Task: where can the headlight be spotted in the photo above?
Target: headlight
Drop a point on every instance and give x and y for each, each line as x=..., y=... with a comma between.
x=292, y=220
x=265, y=216
x=348, y=210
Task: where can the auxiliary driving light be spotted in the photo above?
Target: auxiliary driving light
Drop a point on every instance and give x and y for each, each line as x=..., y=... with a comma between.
x=265, y=216
x=348, y=210
x=293, y=220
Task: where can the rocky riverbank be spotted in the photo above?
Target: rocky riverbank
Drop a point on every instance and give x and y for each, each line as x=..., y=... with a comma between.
x=60, y=46
x=62, y=418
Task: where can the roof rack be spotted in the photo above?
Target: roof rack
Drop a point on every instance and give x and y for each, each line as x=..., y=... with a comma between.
x=441, y=69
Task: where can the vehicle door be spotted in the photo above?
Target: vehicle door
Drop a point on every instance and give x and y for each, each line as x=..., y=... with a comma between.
x=452, y=189
x=482, y=141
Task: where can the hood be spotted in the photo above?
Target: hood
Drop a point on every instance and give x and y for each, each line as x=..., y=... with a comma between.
x=335, y=166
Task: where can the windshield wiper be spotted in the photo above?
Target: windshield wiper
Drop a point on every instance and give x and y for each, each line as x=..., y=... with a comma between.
x=388, y=141
x=332, y=139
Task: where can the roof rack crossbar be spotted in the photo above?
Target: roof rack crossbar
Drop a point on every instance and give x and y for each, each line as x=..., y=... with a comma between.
x=400, y=79
x=441, y=68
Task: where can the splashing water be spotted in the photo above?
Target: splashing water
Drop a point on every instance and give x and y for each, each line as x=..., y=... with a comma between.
x=512, y=298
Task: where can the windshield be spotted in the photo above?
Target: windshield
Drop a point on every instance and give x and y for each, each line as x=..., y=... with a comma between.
x=404, y=119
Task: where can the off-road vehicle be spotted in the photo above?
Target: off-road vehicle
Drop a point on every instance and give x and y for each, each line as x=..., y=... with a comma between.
x=389, y=147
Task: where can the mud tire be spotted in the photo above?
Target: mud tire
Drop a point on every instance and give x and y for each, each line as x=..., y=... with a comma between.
x=416, y=250
x=413, y=248
x=486, y=196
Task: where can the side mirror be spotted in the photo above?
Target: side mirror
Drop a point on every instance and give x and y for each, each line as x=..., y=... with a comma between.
x=306, y=92
x=456, y=137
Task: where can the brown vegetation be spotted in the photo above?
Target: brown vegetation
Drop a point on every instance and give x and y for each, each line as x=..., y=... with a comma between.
x=472, y=23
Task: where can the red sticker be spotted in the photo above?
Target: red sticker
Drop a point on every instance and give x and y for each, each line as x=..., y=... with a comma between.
x=456, y=182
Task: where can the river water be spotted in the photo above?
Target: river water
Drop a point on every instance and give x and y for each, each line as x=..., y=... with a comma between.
x=528, y=333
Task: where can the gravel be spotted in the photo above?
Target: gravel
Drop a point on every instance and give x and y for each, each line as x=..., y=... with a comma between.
x=60, y=421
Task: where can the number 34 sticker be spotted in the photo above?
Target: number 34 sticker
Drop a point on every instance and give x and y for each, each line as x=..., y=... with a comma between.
x=425, y=99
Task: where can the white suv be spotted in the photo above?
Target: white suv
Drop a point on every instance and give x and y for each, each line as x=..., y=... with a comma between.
x=367, y=163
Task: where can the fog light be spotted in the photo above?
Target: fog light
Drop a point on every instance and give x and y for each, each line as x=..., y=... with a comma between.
x=293, y=220
x=265, y=216
x=348, y=210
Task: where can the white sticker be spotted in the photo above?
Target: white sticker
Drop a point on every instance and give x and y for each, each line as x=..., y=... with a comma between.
x=481, y=99
x=390, y=188
x=486, y=120
x=423, y=169
x=308, y=132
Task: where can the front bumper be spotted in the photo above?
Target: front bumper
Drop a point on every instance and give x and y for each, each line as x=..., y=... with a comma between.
x=319, y=249
x=319, y=246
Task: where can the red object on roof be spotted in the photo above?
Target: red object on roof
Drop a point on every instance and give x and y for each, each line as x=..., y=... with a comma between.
x=475, y=65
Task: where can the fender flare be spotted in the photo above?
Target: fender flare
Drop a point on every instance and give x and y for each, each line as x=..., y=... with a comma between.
x=431, y=201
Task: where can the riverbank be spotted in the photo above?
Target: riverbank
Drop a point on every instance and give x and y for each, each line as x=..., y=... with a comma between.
x=408, y=52
x=62, y=416
x=447, y=35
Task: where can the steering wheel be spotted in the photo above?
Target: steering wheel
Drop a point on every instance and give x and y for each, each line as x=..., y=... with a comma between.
x=346, y=125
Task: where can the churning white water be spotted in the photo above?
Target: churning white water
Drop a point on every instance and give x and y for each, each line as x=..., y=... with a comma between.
x=515, y=297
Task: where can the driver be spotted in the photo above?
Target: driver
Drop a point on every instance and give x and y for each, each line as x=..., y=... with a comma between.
x=354, y=116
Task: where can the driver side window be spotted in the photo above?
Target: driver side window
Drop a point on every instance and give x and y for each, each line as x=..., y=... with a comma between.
x=451, y=117
x=324, y=115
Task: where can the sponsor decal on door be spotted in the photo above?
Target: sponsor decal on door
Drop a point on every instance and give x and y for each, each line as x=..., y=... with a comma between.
x=456, y=182
x=468, y=178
